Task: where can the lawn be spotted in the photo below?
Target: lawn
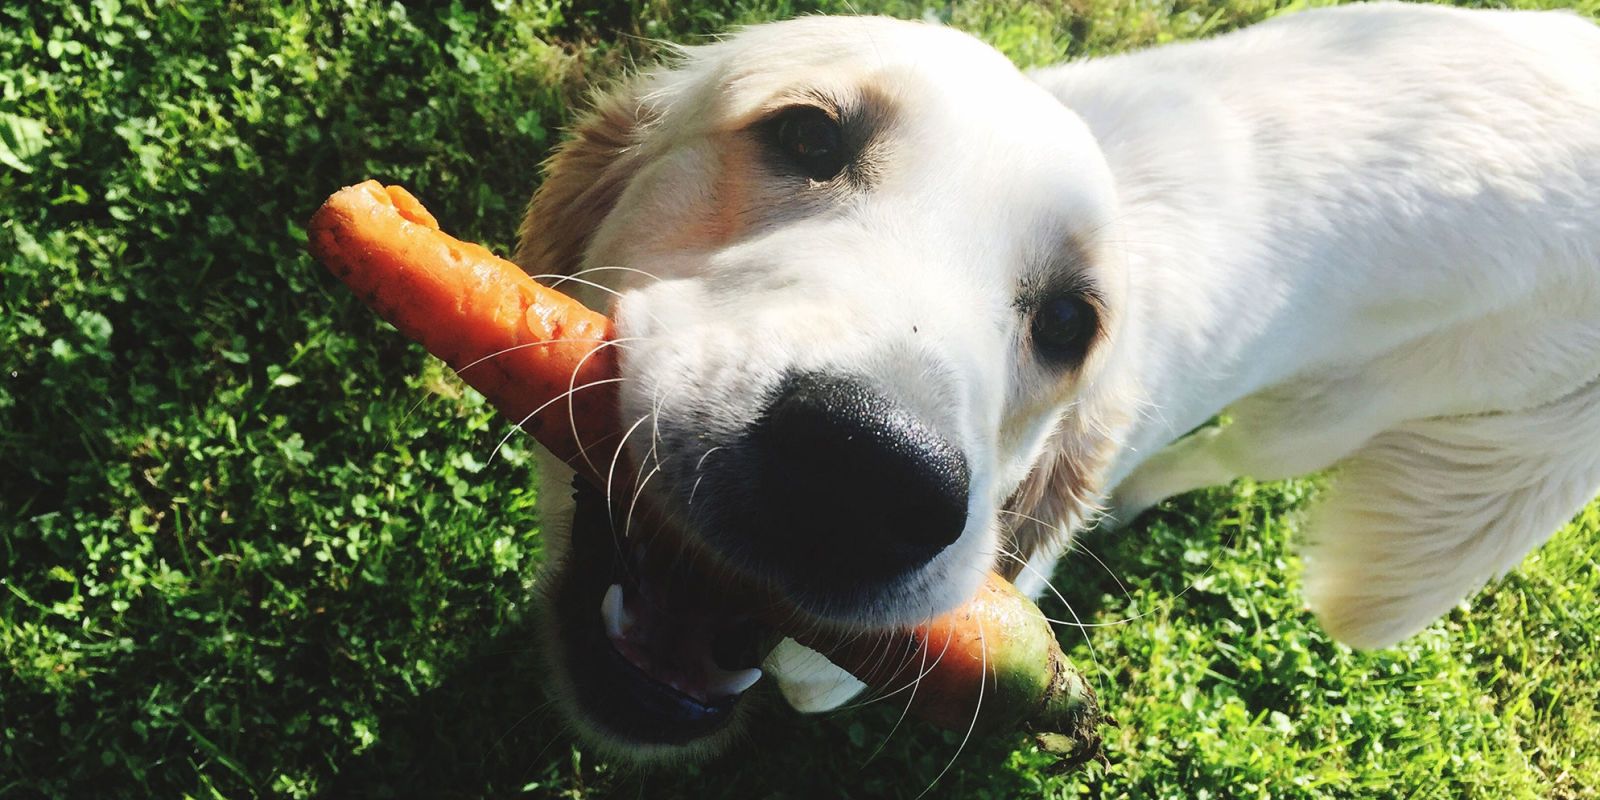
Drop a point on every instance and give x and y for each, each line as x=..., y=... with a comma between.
x=254, y=545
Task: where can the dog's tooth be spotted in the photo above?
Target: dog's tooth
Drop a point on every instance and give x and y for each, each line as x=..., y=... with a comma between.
x=734, y=683
x=613, y=613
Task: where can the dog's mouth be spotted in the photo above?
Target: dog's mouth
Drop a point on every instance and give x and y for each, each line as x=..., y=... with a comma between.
x=835, y=510
x=658, y=645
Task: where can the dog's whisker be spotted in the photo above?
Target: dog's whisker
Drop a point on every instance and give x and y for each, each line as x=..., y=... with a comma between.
x=1076, y=621
x=557, y=280
x=653, y=455
x=618, y=343
x=537, y=709
x=512, y=349
x=876, y=660
x=414, y=407
x=1076, y=543
x=618, y=536
x=1025, y=566
x=538, y=756
x=905, y=710
x=552, y=401
x=983, y=650
x=1113, y=623
x=634, y=504
x=695, y=488
x=639, y=485
x=616, y=457
x=1079, y=544
x=703, y=456
x=1088, y=642
x=572, y=415
x=911, y=684
x=567, y=395
x=655, y=425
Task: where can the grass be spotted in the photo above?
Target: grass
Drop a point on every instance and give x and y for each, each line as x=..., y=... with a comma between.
x=252, y=546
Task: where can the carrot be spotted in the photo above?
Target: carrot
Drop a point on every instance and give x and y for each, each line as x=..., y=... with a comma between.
x=993, y=662
x=521, y=344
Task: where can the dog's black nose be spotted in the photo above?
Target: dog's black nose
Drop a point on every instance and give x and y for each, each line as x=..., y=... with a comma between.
x=852, y=481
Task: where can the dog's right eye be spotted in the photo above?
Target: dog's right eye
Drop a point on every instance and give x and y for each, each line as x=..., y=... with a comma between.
x=811, y=140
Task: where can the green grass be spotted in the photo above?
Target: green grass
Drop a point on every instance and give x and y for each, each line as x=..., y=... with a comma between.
x=252, y=545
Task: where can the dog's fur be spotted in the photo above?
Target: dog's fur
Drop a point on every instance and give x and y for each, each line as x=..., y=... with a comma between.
x=1369, y=235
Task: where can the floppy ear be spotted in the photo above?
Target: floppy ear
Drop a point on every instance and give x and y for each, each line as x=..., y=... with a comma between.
x=1059, y=497
x=583, y=179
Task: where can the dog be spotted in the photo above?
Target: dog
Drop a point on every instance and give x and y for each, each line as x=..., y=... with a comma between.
x=892, y=313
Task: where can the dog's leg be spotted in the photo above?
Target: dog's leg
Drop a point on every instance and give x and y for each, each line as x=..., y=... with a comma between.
x=1425, y=514
x=1301, y=427
x=1193, y=462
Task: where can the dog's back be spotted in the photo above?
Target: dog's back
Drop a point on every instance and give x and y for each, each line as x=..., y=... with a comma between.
x=1451, y=157
x=1381, y=226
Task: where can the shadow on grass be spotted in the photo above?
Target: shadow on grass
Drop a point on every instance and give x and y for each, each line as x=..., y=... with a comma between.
x=489, y=731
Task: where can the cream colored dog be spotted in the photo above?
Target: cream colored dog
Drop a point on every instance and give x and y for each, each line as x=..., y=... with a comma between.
x=894, y=313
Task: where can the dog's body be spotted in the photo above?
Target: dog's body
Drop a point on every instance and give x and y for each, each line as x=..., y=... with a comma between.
x=1370, y=236
x=1372, y=246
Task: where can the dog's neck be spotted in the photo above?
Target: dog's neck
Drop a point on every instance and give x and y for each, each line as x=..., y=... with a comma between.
x=1216, y=310
x=1206, y=323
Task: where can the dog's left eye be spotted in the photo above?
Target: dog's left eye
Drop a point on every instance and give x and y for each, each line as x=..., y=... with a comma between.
x=811, y=141
x=1062, y=326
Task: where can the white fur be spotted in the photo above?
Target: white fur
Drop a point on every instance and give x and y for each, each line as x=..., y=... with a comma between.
x=1372, y=236
x=887, y=285
x=1369, y=234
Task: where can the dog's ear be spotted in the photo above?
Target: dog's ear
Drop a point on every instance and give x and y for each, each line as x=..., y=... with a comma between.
x=1060, y=495
x=583, y=179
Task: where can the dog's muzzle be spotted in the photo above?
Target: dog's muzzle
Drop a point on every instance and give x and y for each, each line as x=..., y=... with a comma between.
x=826, y=502
x=846, y=488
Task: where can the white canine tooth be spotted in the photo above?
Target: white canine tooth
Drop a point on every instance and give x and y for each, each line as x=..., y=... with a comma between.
x=734, y=683
x=613, y=613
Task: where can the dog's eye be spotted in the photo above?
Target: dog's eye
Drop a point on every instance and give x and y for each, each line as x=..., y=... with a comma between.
x=811, y=141
x=1062, y=326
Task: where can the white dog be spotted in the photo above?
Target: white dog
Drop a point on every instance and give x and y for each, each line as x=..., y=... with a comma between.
x=893, y=312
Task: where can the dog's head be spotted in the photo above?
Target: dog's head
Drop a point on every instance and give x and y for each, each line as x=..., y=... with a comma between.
x=866, y=286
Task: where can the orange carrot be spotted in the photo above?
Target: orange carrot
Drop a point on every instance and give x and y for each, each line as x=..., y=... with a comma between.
x=992, y=662
x=523, y=345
